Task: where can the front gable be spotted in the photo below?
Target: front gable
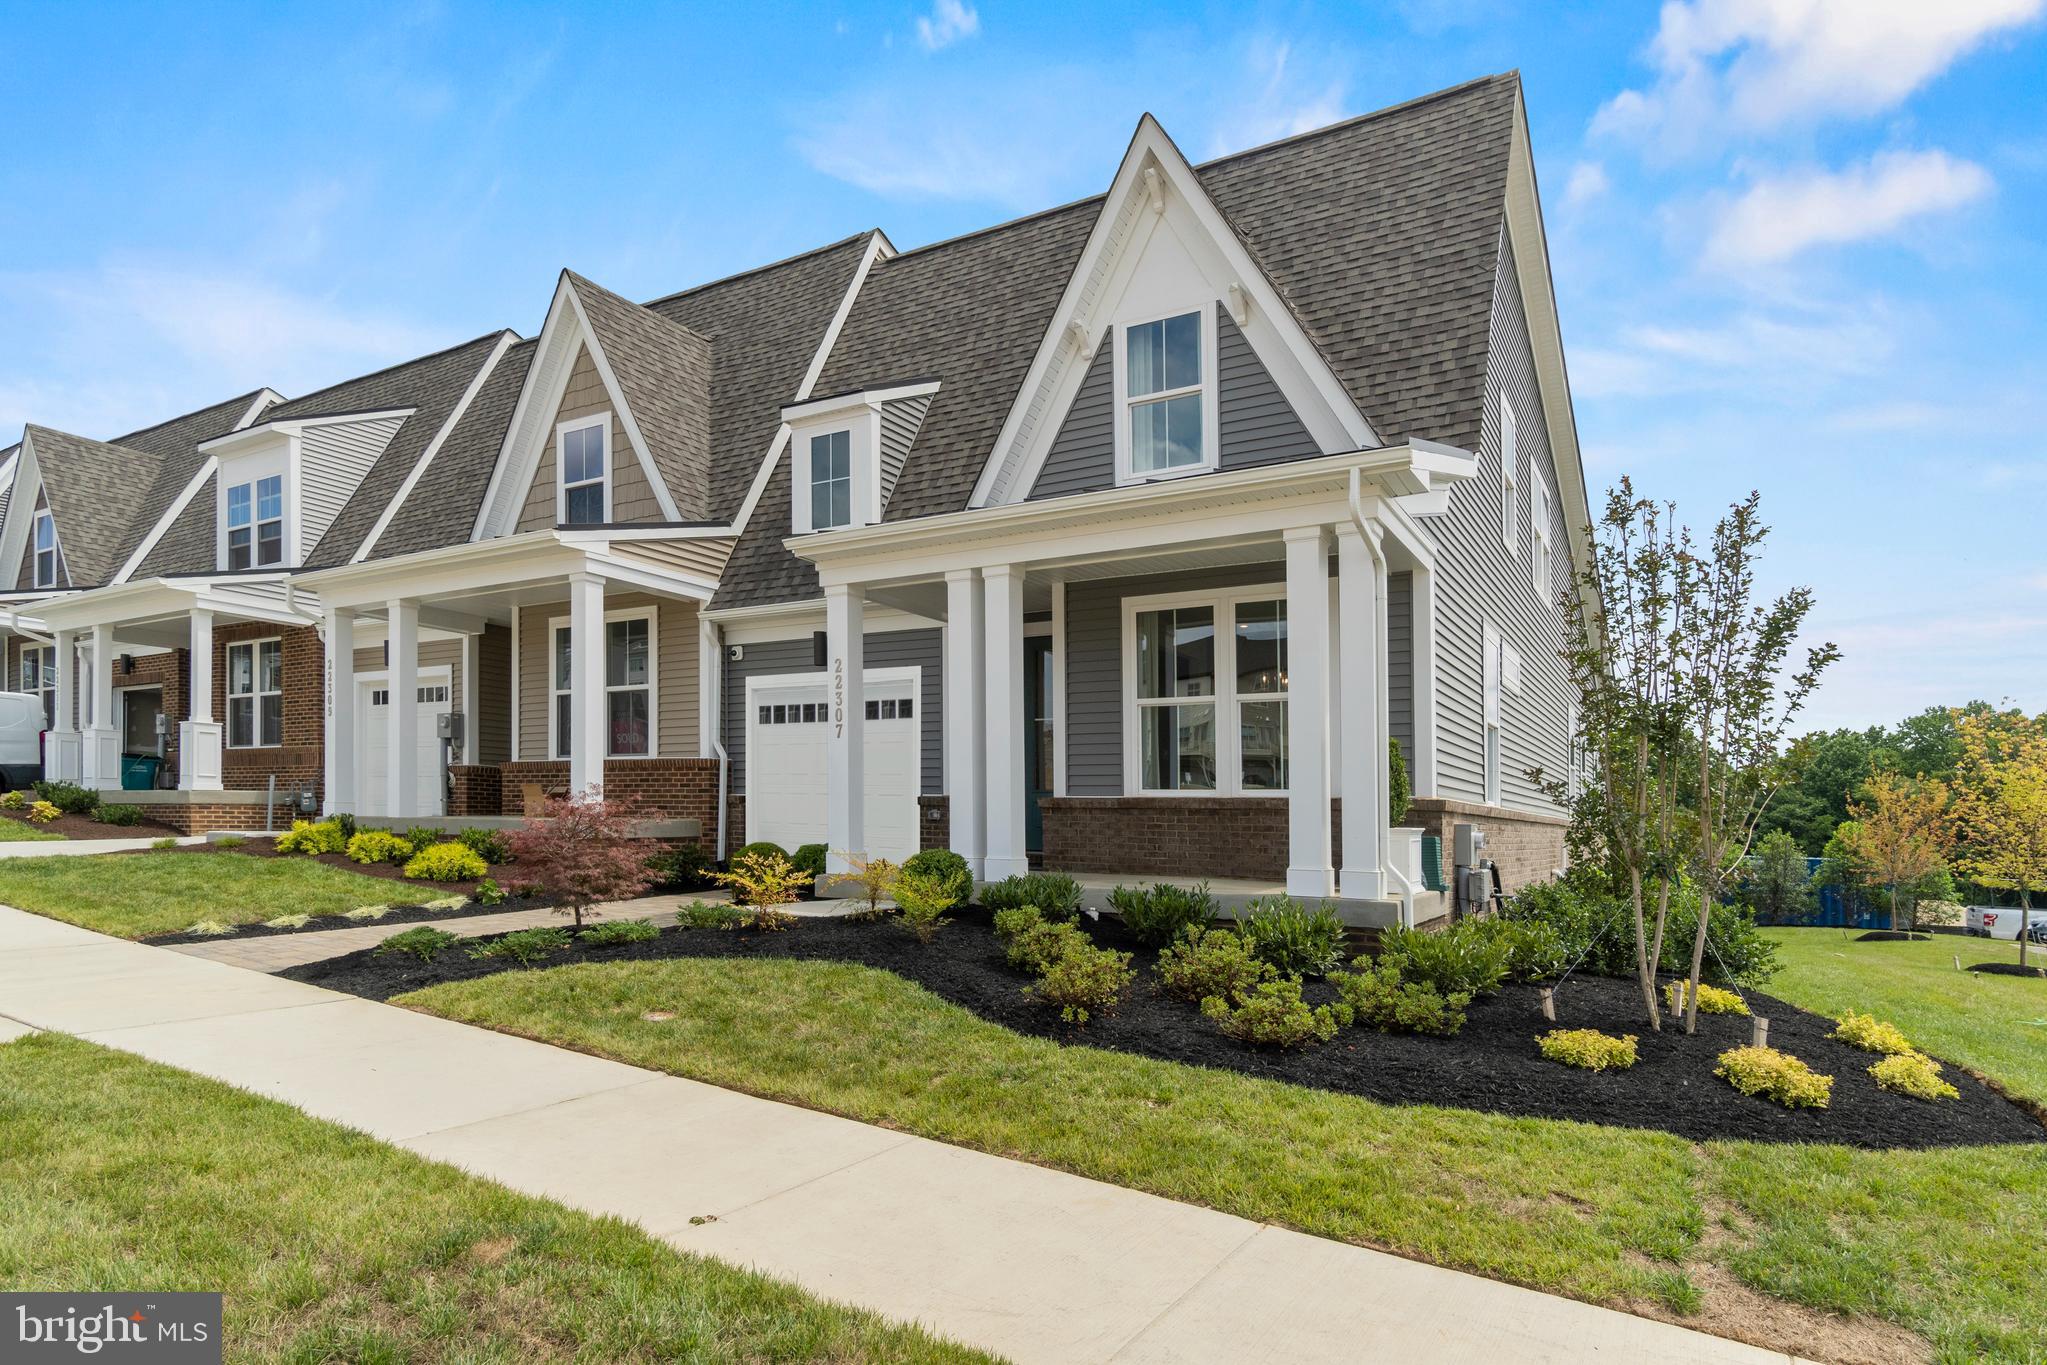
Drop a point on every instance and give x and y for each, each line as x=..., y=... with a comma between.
x=632, y=497
x=1160, y=248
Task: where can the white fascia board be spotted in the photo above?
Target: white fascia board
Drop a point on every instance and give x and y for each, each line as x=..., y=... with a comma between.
x=171, y=514
x=292, y=426
x=585, y=535
x=652, y=577
x=852, y=402
x=21, y=504
x=540, y=394
x=265, y=399
x=662, y=496
x=506, y=340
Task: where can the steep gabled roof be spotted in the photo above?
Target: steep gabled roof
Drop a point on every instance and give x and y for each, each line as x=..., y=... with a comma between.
x=442, y=506
x=663, y=371
x=96, y=491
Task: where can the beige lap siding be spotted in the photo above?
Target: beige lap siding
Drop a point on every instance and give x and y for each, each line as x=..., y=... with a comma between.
x=632, y=498
x=493, y=719
x=675, y=673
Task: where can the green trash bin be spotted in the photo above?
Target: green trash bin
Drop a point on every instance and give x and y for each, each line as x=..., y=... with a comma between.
x=138, y=772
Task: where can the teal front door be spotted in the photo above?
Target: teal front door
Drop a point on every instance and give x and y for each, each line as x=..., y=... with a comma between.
x=1038, y=746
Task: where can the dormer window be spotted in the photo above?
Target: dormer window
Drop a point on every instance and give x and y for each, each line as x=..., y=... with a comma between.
x=46, y=550
x=255, y=523
x=585, y=492
x=831, y=480
x=1166, y=396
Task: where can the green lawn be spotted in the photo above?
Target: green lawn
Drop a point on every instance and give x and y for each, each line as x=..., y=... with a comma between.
x=134, y=895
x=15, y=832
x=328, y=1245
x=1940, y=1243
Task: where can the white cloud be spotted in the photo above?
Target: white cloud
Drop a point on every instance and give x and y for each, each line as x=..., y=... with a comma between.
x=1779, y=217
x=948, y=22
x=1588, y=182
x=1285, y=100
x=1747, y=352
x=1757, y=65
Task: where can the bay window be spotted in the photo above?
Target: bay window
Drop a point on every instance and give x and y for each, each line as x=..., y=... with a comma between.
x=255, y=694
x=1168, y=404
x=1207, y=702
x=628, y=687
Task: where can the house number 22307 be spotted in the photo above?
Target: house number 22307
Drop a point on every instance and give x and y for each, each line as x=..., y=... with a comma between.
x=839, y=698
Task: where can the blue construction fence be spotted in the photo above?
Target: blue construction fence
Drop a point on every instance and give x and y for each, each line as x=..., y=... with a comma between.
x=1836, y=908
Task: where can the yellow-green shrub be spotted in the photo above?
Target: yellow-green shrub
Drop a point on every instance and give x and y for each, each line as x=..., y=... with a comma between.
x=1914, y=1074
x=1712, y=1000
x=449, y=862
x=42, y=812
x=1589, y=1048
x=378, y=846
x=308, y=838
x=14, y=800
x=1871, y=1034
x=1775, y=1076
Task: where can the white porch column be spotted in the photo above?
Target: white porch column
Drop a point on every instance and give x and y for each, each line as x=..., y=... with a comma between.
x=1422, y=606
x=1308, y=872
x=340, y=735
x=1362, y=645
x=845, y=625
x=965, y=723
x=102, y=741
x=401, y=724
x=64, y=759
x=199, y=732
x=1004, y=719
x=587, y=744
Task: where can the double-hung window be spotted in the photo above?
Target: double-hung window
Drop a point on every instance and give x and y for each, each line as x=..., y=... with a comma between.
x=39, y=675
x=255, y=694
x=255, y=523
x=1165, y=407
x=583, y=498
x=1510, y=480
x=1538, y=517
x=1495, y=667
x=628, y=687
x=1209, y=697
x=46, y=550
x=831, y=480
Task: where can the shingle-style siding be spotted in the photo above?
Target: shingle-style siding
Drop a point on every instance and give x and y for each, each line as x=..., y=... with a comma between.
x=632, y=499
x=1082, y=457
x=663, y=371
x=25, y=577
x=1400, y=663
x=494, y=695
x=1257, y=424
x=1094, y=665
x=920, y=649
x=333, y=458
x=675, y=672
x=1480, y=580
x=900, y=419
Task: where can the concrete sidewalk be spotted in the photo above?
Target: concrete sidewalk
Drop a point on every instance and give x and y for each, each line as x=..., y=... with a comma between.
x=1032, y=1263
x=78, y=848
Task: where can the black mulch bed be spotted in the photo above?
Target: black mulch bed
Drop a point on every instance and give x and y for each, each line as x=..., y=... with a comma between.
x=400, y=914
x=1492, y=1065
x=2007, y=969
x=85, y=827
x=1892, y=936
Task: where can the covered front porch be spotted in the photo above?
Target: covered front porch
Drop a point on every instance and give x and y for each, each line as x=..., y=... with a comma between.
x=1136, y=669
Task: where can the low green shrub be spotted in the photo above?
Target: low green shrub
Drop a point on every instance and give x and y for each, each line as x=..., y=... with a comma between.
x=758, y=848
x=1467, y=958
x=362, y=913
x=1588, y=1048
x=165, y=845
x=1535, y=951
x=426, y=836
x=69, y=797
x=1865, y=1031
x=494, y=846
x=948, y=867
x=1376, y=996
x=921, y=902
x=523, y=946
x=488, y=892
x=607, y=933
x=1084, y=982
x=42, y=812
x=119, y=815
x=345, y=822
x=1034, y=943
x=687, y=867
x=1212, y=963
x=770, y=919
x=378, y=846
x=210, y=928
x=1272, y=1015
x=1056, y=895
x=1712, y=1000
x=1296, y=940
x=14, y=799
x=1155, y=917
x=809, y=859
x=288, y=922
x=227, y=841
x=422, y=941
x=1914, y=1074
x=710, y=915
x=1775, y=1076
x=449, y=862
x=307, y=838
x=1595, y=924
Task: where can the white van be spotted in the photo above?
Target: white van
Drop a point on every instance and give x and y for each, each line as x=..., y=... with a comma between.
x=1993, y=921
x=21, y=740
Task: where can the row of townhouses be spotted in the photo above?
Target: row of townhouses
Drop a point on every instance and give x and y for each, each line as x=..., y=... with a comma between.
x=1124, y=537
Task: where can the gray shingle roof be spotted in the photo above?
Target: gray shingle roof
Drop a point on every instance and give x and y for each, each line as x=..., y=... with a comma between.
x=664, y=370
x=96, y=492
x=443, y=505
x=1380, y=233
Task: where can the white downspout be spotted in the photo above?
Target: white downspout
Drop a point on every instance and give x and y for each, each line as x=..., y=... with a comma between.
x=1371, y=535
x=714, y=641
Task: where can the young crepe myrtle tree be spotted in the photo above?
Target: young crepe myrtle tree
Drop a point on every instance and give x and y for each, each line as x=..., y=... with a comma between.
x=2000, y=807
x=1901, y=832
x=581, y=851
x=1737, y=701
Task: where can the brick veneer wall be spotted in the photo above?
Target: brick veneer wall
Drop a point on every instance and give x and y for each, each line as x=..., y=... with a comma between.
x=934, y=821
x=301, y=757
x=680, y=788
x=1527, y=847
x=203, y=819
x=478, y=789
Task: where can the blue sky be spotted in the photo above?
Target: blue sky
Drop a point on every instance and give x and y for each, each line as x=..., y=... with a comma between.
x=1798, y=246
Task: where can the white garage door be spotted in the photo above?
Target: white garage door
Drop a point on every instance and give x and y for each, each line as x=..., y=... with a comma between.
x=373, y=726
x=788, y=722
